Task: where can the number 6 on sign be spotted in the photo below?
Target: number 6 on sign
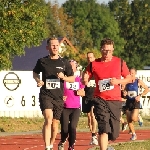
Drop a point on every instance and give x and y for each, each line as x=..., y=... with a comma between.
x=23, y=101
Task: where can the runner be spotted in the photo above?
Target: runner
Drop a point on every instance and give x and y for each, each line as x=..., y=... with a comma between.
x=55, y=70
x=133, y=100
x=71, y=112
x=123, y=112
x=140, y=120
x=107, y=72
x=87, y=106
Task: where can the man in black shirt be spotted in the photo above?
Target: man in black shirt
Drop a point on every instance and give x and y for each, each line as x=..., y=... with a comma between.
x=87, y=106
x=55, y=70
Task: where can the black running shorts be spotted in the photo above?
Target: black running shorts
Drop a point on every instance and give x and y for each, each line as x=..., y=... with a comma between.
x=46, y=102
x=132, y=104
x=107, y=114
x=86, y=104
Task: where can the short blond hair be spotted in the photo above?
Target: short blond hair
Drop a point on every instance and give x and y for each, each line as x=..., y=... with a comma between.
x=51, y=38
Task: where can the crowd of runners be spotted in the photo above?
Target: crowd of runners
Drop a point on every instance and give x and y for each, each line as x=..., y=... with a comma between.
x=108, y=90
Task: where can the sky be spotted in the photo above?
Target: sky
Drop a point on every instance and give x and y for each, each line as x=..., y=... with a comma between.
x=100, y=1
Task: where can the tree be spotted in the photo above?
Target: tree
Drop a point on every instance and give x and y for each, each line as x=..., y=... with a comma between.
x=22, y=24
x=93, y=22
x=133, y=19
x=58, y=22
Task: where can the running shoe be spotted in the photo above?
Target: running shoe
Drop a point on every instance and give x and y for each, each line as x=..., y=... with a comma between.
x=124, y=127
x=94, y=141
x=140, y=123
x=71, y=148
x=110, y=148
x=61, y=146
x=134, y=137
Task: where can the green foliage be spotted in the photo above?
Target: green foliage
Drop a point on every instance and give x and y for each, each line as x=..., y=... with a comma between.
x=92, y=23
x=69, y=53
x=22, y=24
x=58, y=22
x=134, y=24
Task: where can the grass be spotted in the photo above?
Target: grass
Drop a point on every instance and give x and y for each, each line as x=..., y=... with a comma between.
x=8, y=124
x=144, y=145
x=33, y=124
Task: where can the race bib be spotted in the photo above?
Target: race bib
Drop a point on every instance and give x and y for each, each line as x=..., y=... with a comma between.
x=132, y=94
x=52, y=83
x=72, y=86
x=104, y=85
x=123, y=104
x=91, y=83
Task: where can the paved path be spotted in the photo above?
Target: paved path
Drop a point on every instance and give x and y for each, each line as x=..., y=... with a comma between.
x=34, y=141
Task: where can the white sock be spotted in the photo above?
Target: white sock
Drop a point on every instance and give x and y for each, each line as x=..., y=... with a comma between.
x=134, y=133
x=51, y=146
x=48, y=147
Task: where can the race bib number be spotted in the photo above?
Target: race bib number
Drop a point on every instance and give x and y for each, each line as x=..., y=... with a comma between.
x=91, y=83
x=104, y=85
x=123, y=104
x=72, y=86
x=52, y=83
x=132, y=94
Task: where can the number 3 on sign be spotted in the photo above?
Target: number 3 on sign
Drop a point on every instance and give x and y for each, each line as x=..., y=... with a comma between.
x=33, y=99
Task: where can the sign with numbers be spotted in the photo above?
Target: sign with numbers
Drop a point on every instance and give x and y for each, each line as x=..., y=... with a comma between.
x=72, y=86
x=144, y=75
x=18, y=91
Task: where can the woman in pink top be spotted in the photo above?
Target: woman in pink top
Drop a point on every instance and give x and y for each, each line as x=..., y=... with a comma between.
x=71, y=112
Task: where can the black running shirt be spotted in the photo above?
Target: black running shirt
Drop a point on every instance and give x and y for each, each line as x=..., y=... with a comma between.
x=53, y=86
x=89, y=89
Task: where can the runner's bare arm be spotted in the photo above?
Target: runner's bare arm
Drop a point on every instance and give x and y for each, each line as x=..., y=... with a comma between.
x=144, y=86
x=69, y=79
x=65, y=78
x=37, y=79
x=125, y=80
x=124, y=96
x=123, y=99
x=81, y=92
x=125, y=74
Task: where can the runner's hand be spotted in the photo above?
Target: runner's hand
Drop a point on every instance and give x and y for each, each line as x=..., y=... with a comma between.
x=60, y=75
x=137, y=98
x=81, y=92
x=124, y=93
x=114, y=81
x=40, y=83
x=85, y=77
x=64, y=98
